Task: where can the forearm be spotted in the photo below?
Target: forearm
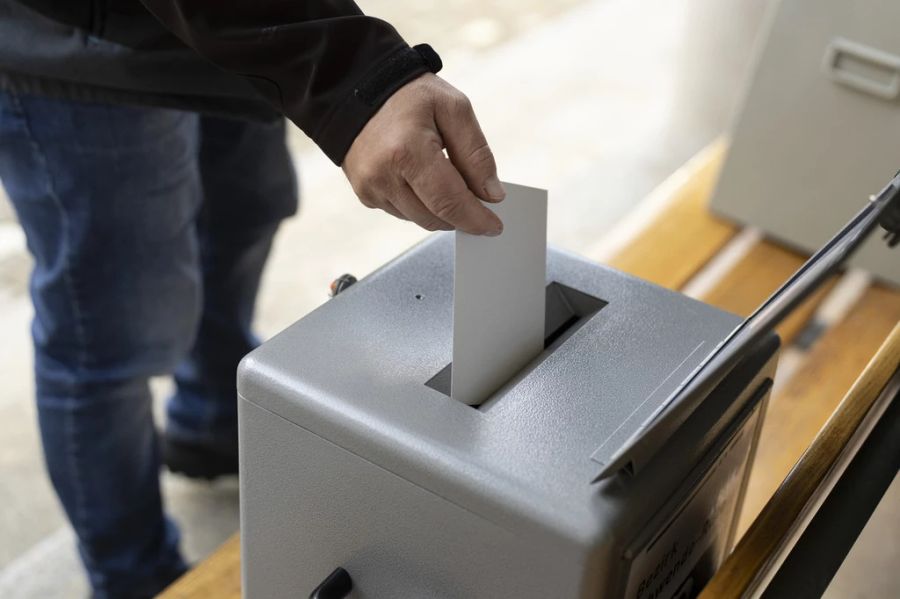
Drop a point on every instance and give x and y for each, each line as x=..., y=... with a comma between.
x=322, y=63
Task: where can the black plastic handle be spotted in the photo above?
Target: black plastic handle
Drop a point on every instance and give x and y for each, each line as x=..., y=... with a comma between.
x=337, y=585
x=342, y=283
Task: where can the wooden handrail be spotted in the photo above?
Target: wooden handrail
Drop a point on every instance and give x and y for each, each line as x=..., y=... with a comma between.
x=775, y=525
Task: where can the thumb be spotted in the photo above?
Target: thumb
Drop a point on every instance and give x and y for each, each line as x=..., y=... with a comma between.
x=466, y=146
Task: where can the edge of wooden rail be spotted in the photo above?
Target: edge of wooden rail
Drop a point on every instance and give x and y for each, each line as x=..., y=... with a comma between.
x=800, y=407
x=773, y=524
x=217, y=576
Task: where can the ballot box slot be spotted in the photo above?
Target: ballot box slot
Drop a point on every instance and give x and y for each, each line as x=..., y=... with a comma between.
x=567, y=309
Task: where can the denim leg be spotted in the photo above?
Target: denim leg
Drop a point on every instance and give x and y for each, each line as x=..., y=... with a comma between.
x=108, y=197
x=249, y=186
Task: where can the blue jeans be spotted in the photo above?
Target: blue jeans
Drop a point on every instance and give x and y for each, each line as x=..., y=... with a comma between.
x=149, y=230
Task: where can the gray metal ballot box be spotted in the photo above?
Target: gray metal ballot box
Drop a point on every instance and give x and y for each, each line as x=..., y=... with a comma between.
x=354, y=456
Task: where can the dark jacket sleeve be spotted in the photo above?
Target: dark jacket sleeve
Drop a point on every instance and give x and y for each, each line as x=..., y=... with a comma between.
x=323, y=63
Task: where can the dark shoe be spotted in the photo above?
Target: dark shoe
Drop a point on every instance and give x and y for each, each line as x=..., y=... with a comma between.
x=198, y=461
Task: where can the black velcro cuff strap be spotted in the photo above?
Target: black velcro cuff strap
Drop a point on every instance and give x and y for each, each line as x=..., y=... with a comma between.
x=380, y=84
x=399, y=68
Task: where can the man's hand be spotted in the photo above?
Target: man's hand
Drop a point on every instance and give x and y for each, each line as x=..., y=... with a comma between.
x=397, y=163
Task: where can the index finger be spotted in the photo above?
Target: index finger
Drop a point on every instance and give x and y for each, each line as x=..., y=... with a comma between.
x=443, y=191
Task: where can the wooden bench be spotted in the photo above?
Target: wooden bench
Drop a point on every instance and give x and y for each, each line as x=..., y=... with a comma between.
x=673, y=240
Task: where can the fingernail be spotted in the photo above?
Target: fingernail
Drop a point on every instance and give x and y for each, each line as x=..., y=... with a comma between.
x=495, y=232
x=494, y=189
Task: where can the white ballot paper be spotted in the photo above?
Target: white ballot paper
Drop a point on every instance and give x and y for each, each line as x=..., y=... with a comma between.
x=498, y=296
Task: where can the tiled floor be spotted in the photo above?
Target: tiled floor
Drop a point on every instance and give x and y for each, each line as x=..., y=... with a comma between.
x=596, y=100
